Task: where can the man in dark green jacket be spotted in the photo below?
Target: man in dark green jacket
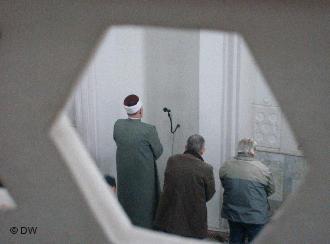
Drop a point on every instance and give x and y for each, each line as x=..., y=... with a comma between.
x=138, y=147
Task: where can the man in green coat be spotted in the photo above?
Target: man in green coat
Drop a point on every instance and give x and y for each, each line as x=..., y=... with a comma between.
x=138, y=147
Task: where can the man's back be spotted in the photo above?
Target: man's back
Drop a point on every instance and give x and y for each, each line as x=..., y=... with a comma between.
x=247, y=183
x=138, y=137
x=138, y=147
x=189, y=184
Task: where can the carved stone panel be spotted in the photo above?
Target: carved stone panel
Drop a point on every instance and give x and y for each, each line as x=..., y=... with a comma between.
x=267, y=126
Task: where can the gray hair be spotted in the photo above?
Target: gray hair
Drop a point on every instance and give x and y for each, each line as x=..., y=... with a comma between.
x=195, y=143
x=247, y=146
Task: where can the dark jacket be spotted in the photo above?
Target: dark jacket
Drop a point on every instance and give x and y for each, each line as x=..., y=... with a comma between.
x=188, y=185
x=138, y=188
x=247, y=183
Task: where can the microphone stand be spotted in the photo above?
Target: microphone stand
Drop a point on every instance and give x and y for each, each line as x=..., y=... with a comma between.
x=171, y=122
x=176, y=127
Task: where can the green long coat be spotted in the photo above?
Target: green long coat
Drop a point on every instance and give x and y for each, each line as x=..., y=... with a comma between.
x=138, y=188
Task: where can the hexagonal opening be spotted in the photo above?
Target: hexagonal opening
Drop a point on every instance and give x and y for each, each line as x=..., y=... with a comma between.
x=213, y=86
x=6, y=200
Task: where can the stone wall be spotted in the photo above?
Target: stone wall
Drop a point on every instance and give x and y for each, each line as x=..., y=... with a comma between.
x=288, y=172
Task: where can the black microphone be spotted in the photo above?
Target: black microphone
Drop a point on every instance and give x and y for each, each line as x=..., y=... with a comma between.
x=166, y=110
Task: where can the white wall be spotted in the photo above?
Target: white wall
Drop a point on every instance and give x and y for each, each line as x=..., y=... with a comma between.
x=218, y=105
x=119, y=72
x=171, y=80
x=116, y=70
x=210, y=105
x=260, y=114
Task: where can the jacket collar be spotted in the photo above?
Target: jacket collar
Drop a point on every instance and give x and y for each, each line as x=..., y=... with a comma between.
x=195, y=154
x=244, y=156
x=134, y=119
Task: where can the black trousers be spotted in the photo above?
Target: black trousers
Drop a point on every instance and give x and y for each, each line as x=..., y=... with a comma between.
x=239, y=232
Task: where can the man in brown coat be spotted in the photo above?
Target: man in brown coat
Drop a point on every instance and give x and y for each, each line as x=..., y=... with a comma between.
x=188, y=185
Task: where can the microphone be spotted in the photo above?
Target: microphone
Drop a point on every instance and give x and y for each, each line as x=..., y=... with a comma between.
x=166, y=110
